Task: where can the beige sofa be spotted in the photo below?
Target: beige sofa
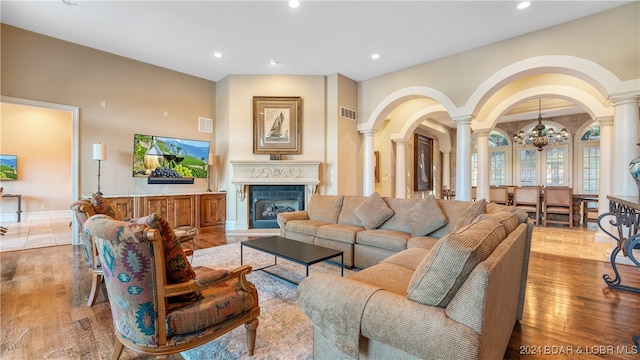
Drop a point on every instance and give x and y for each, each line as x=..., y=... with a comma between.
x=458, y=300
x=369, y=229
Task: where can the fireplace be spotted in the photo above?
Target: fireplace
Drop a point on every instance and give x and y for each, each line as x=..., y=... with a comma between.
x=249, y=175
x=267, y=201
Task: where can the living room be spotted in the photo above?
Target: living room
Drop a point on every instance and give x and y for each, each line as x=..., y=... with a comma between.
x=109, y=98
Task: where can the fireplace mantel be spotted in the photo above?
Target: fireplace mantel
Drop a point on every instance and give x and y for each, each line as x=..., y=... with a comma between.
x=275, y=172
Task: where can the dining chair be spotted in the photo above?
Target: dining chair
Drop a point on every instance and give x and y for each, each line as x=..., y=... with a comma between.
x=499, y=195
x=527, y=198
x=558, y=202
x=474, y=191
x=159, y=308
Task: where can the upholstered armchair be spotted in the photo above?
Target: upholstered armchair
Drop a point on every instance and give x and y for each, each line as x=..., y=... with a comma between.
x=159, y=303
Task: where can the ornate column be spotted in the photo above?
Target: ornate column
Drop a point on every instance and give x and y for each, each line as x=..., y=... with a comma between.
x=463, y=158
x=401, y=167
x=606, y=175
x=446, y=168
x=625, y=130
x=482, y=188
x=368, y=178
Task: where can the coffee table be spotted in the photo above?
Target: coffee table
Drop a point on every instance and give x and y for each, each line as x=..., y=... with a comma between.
x=292, y=250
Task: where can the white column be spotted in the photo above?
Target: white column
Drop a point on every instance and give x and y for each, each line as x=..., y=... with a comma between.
x=446, y=168
x=368, y=178
x=463, y=158
x=625, y=148
x=482, y=140
x=401, y=168
x=606, y=175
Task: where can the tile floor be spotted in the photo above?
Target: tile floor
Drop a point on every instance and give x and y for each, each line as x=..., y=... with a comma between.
x=29, y=234
x=560, y=240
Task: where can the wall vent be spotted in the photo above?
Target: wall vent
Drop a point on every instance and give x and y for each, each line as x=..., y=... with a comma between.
x=348, y=113
x=205, y=125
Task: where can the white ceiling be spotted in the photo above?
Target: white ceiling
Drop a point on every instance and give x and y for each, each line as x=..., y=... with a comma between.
x=317, y=38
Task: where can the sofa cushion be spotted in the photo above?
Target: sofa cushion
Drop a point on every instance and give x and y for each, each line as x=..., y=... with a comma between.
x=409, y=258
x=476, y=209
x=449, y=263
x=400, y=208
x=425, y=217
x=348, y=213
x=309, y=227
x=453, y=210
x=425, y=242
x=102, y=205
x=373, y=212
x=493, y=208
x=325, y=208
x=339, y=232
x=509, y=220
x=387, y=276
x=384, y=239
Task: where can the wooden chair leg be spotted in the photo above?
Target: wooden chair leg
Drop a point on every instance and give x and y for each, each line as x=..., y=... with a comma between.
x=251, y=327
x=95, y=285
x=117, y=350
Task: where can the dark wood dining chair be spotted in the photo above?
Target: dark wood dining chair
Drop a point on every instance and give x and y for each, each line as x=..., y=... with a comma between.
x=558, y=202
x=527, y=198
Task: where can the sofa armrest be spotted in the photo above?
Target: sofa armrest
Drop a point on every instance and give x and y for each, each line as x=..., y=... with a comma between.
x=335, y=306
x=420, y=330
x=292, y=215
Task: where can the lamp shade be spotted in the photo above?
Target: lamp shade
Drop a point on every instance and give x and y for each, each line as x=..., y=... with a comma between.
x=210, y=162
x=99, y=152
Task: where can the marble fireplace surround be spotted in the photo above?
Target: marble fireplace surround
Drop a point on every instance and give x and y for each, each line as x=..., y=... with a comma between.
x=274, y=172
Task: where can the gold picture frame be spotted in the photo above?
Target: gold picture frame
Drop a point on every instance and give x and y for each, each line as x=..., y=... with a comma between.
x=423, y=163
x=277, y=125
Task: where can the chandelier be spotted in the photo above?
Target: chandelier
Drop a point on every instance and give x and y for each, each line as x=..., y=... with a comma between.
x=540, y=136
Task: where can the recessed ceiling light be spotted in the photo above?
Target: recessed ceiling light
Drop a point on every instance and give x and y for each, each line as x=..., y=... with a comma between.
x=70, y=2
x=217, y=54
x=375, y=56
x=294, y=3
x=273, y=62
x=524, y=5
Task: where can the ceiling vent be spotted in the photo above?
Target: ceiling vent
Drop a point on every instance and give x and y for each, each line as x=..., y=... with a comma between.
x=205, y=125
x=348, y=113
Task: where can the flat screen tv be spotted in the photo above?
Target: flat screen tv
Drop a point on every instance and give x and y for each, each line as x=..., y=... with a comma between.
x=159, y=156
x=8, y=167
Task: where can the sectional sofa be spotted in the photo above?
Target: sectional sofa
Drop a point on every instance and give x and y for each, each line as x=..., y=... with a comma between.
x=443, y=291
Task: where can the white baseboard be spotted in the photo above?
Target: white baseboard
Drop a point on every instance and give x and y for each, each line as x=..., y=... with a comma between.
x=40, y=215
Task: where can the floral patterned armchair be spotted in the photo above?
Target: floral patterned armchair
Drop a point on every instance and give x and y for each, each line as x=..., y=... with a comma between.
x=159, y=303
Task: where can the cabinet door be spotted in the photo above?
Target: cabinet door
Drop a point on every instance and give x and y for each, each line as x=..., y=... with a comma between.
x=124, y=205
x=156, y=204
x=212, y=209
x=182, y=210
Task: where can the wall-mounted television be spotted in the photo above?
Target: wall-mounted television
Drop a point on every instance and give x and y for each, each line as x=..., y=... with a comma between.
x=8, y=167
x=167, y=157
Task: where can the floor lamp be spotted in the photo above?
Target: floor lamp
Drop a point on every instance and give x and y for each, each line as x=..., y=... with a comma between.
x=100, y=154
x=209, y=163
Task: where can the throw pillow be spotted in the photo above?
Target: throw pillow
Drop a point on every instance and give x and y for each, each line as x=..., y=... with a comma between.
x=103, y=206
x=476, y=209
x=325, y=208
x=447, y=266
x=425, y=217
x=178, y=268
x=373, y=212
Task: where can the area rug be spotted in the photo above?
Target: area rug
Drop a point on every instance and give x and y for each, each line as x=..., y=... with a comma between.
x=284, y=331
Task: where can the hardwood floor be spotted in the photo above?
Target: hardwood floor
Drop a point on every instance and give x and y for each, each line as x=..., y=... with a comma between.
x=568, y=306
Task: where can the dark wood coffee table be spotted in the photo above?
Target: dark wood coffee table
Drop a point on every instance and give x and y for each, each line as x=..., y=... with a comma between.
x=292, y=250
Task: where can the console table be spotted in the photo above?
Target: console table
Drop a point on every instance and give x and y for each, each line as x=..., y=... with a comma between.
x=626, y=219
x=19, y=197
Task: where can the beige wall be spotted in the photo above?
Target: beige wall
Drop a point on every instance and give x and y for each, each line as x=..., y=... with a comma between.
x=41, y=138
x=136, y=95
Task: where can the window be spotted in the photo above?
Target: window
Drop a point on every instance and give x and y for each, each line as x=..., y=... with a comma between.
x=555, y=166
x=549, y=167
x=499, y=158
x=474, y=169
x=528, y=168
x=589, y=161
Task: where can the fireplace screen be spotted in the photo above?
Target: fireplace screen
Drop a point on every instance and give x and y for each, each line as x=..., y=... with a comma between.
x=267, y=201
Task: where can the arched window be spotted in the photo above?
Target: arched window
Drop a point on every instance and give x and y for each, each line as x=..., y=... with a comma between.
x=500, y=160
x=549, y=167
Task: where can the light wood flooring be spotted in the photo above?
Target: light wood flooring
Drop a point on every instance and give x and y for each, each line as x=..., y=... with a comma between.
x=568, y=306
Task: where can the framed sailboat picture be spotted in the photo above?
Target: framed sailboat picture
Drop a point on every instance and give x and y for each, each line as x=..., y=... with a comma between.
x=277, y=125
